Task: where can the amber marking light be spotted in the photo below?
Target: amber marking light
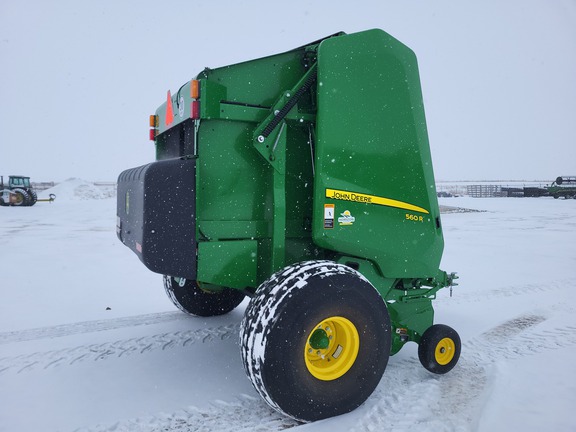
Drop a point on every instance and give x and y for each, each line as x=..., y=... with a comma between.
x=194, y=89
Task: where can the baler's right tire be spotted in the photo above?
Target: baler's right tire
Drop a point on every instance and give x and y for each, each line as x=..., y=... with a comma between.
x=315, y=340
x=192, y=299
x=22, y=197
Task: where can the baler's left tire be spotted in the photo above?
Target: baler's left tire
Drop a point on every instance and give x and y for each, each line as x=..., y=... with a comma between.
x=439, y=348
x=315, y=340
x=192, y=299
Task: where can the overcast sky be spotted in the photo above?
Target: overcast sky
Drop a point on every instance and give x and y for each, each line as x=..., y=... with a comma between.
x=78, y=80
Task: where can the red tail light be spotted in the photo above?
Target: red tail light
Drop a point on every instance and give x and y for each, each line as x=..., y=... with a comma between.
x=195, y=110
x=153, y=126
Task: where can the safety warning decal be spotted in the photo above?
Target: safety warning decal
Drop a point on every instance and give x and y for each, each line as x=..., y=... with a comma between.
x=328, y=216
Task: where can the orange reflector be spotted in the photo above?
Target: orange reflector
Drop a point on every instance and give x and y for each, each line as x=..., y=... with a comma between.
x=169, y=109
x=153, y=121
x=194, y=89
x=195, y=110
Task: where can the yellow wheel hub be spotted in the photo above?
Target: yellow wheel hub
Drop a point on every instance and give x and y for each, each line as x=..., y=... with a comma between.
x=445, y=351
x=331, y=348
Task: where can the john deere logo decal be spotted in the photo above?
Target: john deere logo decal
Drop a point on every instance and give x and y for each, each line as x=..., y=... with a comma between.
x=346, y=218
x=372, y=199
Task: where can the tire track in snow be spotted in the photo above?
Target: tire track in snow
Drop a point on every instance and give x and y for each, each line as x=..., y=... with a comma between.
x=244, y=414
x=460, y=296
x=518, y=338
x=120, y=348
x=89, y=327
x=408, y=395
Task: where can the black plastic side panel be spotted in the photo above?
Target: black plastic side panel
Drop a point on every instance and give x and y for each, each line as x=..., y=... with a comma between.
x=156, y=214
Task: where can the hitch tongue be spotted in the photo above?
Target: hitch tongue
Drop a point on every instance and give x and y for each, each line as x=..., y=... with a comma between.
x=50, y=198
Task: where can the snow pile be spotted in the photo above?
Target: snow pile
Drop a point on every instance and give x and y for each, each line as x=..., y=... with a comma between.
x=451, y=209
x=75, y=189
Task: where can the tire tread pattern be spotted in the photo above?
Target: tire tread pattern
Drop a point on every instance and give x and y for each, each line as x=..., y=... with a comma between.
x=262, y=313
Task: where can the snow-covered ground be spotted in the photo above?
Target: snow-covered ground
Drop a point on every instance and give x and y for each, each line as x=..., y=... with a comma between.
x=90, y=342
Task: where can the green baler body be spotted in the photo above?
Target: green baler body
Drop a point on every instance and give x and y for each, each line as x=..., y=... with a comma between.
x=345, y=175
x=372, y=142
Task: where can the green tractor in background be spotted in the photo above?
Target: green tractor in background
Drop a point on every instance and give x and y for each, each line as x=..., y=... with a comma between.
x=304, y=181
x=563, y=186
x=19, y=192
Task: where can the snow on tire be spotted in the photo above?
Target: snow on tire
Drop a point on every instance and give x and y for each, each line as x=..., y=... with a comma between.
x=315, y=340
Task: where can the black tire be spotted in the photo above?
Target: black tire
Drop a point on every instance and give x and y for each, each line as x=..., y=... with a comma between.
x=276, y=344
x=33, y=197
x=439, y=349
x=22, y=197
x=193, y=300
